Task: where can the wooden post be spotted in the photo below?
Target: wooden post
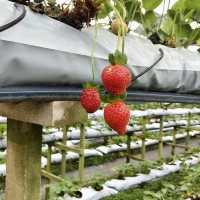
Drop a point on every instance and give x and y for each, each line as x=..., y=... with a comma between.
x=24, y=138
x=144, y=132
x=81, y=155
x=48, y=168
x=174, y=142
x=187, y=141
x=160, y=144
x=128, y=142
x=24, y=141
x=63, y=162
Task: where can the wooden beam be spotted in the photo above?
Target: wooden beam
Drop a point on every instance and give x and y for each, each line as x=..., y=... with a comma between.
x=67, y=148
x=56, y=113
x=23, y=172
x=51, y=176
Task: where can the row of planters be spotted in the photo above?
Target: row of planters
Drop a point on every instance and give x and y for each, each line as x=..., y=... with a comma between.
x=125, y=177
x=180, y=185
x=107, y=190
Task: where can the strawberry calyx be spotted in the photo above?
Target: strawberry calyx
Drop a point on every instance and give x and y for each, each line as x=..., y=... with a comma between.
x=90, y=85
x=109, y=98
x=118, y=58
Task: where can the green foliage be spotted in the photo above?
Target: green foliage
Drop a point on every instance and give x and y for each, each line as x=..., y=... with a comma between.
x=133, y=10
x=3, y=128
x=106, y=8
x=180, y=185
x=173, y=29
x=176, y=24
x=58, y=190
x=118, y=58
x=168, y=191
x=151, y=4
x=125, y=170
x=96, y=182
x=149, y=20
x=146, y=167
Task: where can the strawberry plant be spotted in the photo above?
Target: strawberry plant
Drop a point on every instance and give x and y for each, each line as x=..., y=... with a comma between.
x=58, y=190
x=76, y=13
x=125, y=170
x=174, y=29
x=96, y=182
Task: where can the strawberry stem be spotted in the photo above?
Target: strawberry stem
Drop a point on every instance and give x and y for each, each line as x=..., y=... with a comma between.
x=93, y=60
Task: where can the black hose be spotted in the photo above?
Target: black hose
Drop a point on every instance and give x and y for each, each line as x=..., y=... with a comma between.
x=149, y=68
x=18, y=19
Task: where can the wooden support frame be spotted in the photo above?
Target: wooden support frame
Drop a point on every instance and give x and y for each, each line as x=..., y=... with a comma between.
x=160, y=140
x=64, y=148
x=24, y=141
x=174, y=142
x=63, y=151
x=51, y=176
x=82, y=156
x=188, y=129
x=137, y=158
x=128, y=142
x=178, y=145
x=48, y=170
x=143, y=137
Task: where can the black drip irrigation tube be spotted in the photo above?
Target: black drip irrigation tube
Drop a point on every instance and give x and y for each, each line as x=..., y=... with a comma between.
x=17, y=20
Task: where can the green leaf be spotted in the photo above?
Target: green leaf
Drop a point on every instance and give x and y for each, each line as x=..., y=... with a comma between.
x=149, y=19
x=105, y=9
x=194, y=4
x=198, y=42
x=167, y=26
x=120, y=58
x=132, y=7
x=120, y=6
x=151, y=4
x=162, y=35
x=182, y=34
x=111, y=59
x=117, y=58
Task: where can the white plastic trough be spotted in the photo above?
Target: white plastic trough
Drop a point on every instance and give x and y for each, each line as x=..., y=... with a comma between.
x=112, y=187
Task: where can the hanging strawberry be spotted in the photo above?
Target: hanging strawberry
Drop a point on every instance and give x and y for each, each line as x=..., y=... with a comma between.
x=117, y=78
x=117, y=115
x=90, y=99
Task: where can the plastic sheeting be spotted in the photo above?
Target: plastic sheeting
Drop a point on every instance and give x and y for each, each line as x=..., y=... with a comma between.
x=42, y=51
x=91, y=194
x=166, y=169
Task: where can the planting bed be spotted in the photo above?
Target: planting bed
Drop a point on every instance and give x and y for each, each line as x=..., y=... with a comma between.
x=180, y=127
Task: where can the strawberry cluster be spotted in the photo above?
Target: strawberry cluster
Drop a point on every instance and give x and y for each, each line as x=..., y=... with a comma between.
x=116, y=79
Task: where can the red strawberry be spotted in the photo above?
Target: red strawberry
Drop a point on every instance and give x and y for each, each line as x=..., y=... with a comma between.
x=117, y=116
x=90, y=99
x=116, y=79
